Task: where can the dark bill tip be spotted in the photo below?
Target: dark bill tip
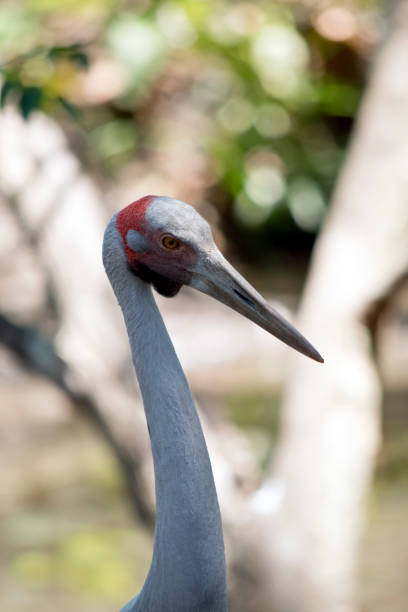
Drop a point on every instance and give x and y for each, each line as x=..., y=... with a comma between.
x=317, y=357
x=300, y=344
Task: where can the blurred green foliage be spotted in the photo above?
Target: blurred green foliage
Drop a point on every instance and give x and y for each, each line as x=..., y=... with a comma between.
x=279, y=83
x=254, y=409
x=257, y=414
x=93, y=562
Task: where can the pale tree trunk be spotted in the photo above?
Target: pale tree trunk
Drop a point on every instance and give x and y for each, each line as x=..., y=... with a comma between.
x=331, y=413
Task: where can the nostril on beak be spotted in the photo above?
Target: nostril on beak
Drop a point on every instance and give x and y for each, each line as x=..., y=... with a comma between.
x=244, y=298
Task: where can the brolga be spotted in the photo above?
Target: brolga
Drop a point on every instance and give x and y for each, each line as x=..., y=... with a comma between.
x=164, y=242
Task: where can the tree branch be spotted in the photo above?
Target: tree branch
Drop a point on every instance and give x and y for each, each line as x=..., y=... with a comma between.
x=38, y=355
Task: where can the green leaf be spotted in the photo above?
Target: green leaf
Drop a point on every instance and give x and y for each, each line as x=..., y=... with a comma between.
x=73, y=52
x=30, y=100
x=81, y=59
x=8, y=86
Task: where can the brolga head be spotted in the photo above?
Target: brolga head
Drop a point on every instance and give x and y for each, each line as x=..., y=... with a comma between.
x=168, y=244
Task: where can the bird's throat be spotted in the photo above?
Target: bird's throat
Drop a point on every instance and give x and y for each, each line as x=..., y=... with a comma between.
x=162, y=284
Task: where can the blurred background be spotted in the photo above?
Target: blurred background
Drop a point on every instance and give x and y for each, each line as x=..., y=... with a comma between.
x=245, y=110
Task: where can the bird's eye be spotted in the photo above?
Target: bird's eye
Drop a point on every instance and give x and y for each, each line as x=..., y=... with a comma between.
x=169, y=242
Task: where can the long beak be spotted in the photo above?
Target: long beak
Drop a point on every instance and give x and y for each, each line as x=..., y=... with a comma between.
x=216, y=277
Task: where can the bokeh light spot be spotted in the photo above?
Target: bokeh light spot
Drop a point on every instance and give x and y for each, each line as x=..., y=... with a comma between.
x=139, y=45
x=175, y=26
x=265, y=185
x=272, y=121
x=306, y=203
x=248, y=212
x=236, y=115
x=279, y=45
x=336, y=23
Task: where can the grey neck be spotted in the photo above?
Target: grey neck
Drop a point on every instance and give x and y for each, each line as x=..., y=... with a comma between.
x=187, y=572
